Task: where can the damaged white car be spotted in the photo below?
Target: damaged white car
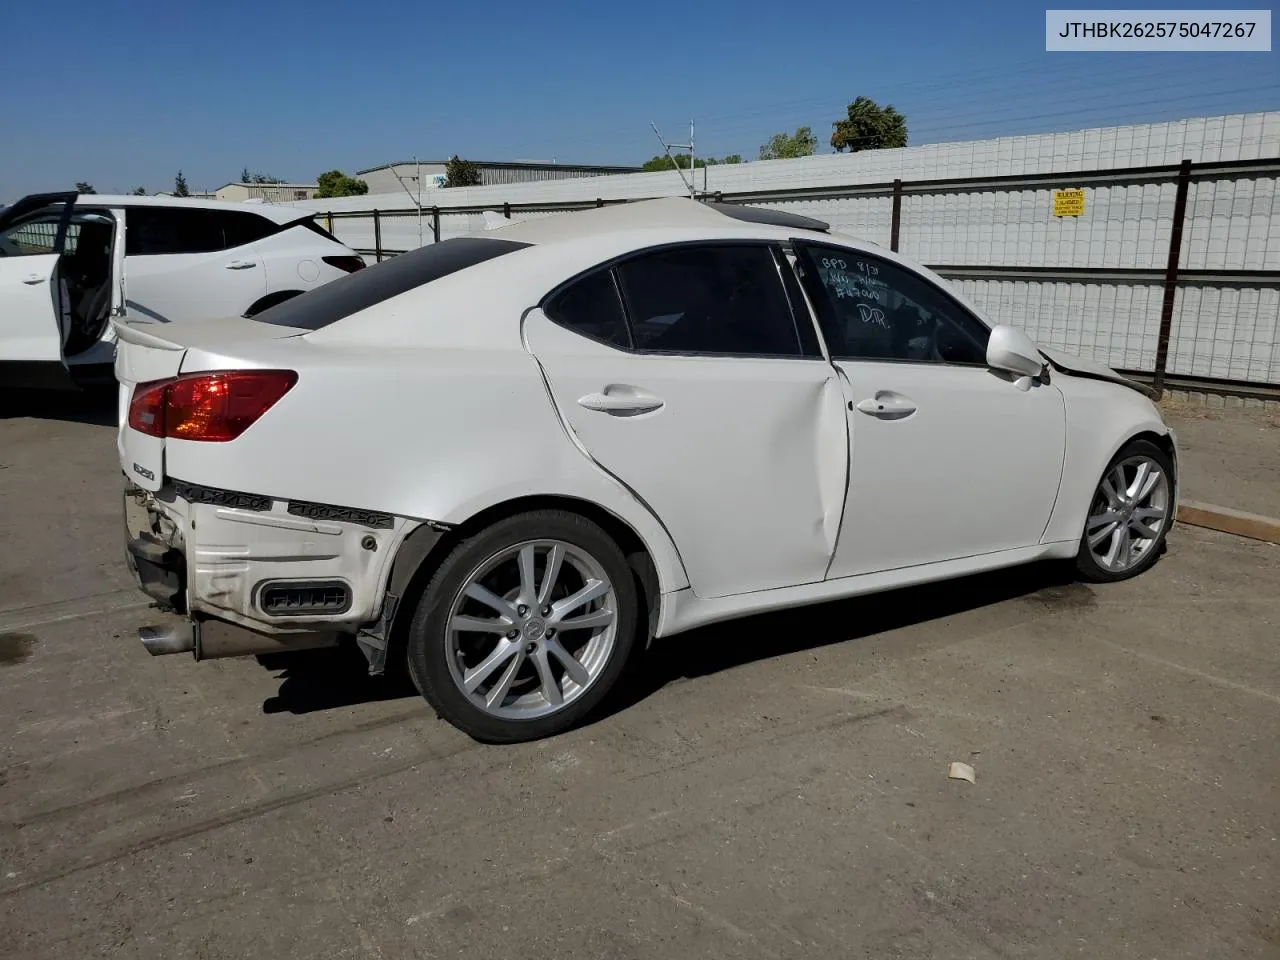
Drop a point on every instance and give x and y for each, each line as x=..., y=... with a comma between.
x=508, y=459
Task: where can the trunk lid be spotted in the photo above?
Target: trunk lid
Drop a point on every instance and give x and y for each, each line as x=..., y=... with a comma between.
x=146, y=352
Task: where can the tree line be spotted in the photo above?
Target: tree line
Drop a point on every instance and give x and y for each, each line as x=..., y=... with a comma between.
x=865, y=126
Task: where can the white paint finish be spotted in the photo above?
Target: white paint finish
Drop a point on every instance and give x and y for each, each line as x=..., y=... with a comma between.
x=1101, y=417
x=740, y=460
x=684, y=610
x=428, y=434
x=973, y=470
x=29, y=324
x=181, y=286
x=429, y=406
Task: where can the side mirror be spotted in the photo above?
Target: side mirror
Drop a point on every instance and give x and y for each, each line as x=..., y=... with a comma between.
x=1011, y=350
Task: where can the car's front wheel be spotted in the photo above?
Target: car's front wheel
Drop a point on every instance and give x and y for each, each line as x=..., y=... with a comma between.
x=524, y=627
x=1129, y=516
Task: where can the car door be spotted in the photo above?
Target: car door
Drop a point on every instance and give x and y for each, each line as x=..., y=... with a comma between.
x=949, y=458
x=183, y=265
x=685, y=373
x=33, y=233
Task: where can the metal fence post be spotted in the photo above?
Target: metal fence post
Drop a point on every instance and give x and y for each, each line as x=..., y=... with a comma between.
x=328, y=219
x=599, y=201
x=506, y=210
x=1171, y=277
x=895, y=222
x=377, y=236
x=435, y=224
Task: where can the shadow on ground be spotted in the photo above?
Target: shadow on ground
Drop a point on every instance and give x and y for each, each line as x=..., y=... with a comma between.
x=95, y=406
x=338, y=677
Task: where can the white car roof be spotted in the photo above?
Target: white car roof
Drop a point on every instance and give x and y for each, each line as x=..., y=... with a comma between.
x=276, y=212
x=674, y=213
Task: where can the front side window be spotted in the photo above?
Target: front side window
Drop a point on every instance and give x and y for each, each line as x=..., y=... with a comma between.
x=32, y=236
x=871, y=309
x=715, y=299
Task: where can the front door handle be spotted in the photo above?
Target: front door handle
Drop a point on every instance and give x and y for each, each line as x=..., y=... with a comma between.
x=34, y=278
x=621, y=402
x=887, y=405
x=241, y=264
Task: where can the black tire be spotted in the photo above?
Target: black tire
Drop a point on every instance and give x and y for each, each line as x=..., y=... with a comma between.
x=1087, y=566
x=428, y=636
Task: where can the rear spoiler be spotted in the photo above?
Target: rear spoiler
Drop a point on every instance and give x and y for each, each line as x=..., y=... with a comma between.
x=135, y=333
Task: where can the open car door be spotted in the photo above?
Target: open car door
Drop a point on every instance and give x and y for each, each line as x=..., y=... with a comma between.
x=61, y=281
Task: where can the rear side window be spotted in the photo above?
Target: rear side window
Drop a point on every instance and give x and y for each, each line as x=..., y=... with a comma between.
x=241, y=228
x=592, y=308
x=338, y=299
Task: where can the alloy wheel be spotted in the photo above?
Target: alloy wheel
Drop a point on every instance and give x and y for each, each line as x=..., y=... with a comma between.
x=532, y=629
x=1130, y=511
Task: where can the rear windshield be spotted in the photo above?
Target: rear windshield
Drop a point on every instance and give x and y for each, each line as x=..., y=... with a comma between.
x=357, y=291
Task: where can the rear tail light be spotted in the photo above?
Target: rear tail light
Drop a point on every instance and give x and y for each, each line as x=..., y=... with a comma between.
x=349, y=264
x=212, y=407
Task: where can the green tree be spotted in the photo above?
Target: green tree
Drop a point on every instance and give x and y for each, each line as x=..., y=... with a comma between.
x=82, y=187
x=461, y=173
x=335, y=183
x=782, y=146
x=869, y=126
x=139, y=191
x=663, y=162
x=245, y=176
x=180, y=186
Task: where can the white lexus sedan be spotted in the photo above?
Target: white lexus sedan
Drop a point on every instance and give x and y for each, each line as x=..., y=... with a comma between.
x=507, y=460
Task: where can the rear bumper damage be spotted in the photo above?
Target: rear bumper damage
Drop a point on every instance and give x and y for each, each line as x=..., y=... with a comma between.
x=245, y=575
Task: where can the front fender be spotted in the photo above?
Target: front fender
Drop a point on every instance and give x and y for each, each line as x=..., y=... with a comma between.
x=1102, y=418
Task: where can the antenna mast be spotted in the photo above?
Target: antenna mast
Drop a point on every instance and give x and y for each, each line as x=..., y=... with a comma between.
x=688, y=183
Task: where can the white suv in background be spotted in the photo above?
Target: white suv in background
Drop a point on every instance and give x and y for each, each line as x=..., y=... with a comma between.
x=71, y=262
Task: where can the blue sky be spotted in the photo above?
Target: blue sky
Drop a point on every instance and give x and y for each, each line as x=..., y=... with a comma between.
x=123, y=94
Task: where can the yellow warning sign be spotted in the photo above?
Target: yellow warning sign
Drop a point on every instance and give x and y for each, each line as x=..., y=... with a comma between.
x=1068, y=203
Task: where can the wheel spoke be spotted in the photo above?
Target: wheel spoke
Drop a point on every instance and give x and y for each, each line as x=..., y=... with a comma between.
x=528, y=588
x=498, y=692
x=1113, y=550
x=596, y=618
x=547, y=679
x=1148, y=513
x=1109, y=491
x=1142, y=530
x=593, y=590
x=491, y=600
x=480, y=625
x=555, y=557
x=572, y=668
x=1148, y=484
x=478, y=674
x=1139, y=479
x=1096, y=539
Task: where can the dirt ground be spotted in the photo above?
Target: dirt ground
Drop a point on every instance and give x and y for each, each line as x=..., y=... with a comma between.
x=1230, y=457
x=772, y=788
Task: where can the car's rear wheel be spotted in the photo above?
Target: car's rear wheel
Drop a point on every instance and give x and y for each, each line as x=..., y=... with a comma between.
x=1129, y=516
x=525, y=627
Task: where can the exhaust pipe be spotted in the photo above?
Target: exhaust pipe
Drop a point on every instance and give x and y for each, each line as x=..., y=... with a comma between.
x=179, y=638
x=216, y=639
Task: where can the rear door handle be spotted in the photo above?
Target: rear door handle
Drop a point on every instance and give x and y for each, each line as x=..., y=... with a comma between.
x=620, y=403
x=34, y=278
x=887, y=405
x=241, y=264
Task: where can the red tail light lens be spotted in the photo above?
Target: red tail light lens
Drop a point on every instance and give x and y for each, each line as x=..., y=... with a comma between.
x=212, y=407
x=349, y=264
